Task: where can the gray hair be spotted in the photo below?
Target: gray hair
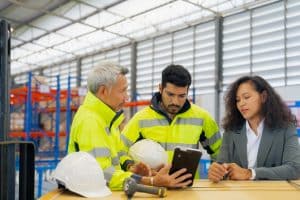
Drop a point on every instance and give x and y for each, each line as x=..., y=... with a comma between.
x=104, y=73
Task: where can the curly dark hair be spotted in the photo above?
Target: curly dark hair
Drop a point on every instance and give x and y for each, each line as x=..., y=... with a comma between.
x=275, y=111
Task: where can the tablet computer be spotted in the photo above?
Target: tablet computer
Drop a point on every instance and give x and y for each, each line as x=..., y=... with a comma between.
x=186, y=158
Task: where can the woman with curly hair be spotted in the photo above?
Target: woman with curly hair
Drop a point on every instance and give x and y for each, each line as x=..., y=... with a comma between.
x=260, y=139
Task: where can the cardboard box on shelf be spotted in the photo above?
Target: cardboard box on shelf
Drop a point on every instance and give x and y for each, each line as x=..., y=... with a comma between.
x=16, y=121
x=80, y=95
x=37, y=80
x=62, y=125
x=43, y=104
x=47, y=121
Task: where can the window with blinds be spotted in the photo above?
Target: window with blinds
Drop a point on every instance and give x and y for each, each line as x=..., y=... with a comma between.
x=293, y=42
x=162, y=57
x=183, y=51
x=125, y=61
x=268, y=43
x=193, y=47
x=144, y=71
x=87, y=64
x=64, y=71
x=121, y=56
x=236, y=47
x=264, y=41
x=67, y=70
x=204, y=58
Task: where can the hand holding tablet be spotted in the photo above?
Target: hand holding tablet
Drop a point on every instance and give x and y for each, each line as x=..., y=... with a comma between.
x=186, y=158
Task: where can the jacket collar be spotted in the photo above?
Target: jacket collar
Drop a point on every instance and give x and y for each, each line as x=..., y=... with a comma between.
x=240, y=140
x=265, y=144
x=106, y=113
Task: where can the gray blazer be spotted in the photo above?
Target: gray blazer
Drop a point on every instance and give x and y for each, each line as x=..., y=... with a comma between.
x=278, y=154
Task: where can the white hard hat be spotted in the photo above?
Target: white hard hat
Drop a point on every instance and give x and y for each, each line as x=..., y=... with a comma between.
x=149, y=152
x=79, y=172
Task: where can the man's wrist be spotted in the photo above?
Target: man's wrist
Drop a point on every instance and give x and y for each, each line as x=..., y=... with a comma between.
x=151, y=181
x=136, y=177
x=127, y=164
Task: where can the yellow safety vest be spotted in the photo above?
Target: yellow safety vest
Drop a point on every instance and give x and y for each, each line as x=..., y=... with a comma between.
x=95, y=129
x=189, y=127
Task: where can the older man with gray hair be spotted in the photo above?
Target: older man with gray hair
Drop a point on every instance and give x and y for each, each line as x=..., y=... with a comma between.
x=95, y=129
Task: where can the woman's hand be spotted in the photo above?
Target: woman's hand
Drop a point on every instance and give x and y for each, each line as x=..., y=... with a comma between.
x=217, y=172
x=236, y=172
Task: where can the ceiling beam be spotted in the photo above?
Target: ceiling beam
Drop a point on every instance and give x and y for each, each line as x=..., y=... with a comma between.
x=203, y=7
x=74, y=21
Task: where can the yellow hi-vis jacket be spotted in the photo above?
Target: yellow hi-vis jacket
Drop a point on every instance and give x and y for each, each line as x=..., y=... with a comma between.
x=95, y=129
x=190, y=126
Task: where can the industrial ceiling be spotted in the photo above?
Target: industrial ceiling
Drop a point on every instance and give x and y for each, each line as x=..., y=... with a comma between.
x=47, y=32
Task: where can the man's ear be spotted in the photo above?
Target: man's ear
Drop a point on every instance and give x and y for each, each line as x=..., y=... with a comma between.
x=102, y=90
x=160, y=88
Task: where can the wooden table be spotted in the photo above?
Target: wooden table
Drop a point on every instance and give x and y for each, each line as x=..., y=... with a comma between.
x=206, y=190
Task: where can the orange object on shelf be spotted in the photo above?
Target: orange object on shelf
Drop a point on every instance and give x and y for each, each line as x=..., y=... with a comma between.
x=34, y=134
x=19, y=95
x=62, y=109
x=137, y=103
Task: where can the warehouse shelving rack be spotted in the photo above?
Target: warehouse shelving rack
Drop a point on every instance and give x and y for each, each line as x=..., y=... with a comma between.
x=31, y=97
x=71, y=107
x=28, y=98
x=35, y=100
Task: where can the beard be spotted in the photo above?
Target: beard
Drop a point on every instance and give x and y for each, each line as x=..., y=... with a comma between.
x=173, y=109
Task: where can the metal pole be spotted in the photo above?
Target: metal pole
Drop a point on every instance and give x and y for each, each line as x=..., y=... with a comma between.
x=28, y=108
x=26, y=176
x=78, y=72
x=57, y=121
x=7, y=173
x=133, y=77
x=68, y=113
x=219, y=65
x=5, y=79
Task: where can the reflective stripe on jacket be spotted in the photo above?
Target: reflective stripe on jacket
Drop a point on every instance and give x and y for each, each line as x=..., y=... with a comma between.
x=95, y=129
x=189, y=127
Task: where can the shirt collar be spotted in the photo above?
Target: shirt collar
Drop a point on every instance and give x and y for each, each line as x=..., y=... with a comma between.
x=260, y=127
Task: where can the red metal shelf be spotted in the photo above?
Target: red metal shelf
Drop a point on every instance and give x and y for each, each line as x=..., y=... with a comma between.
x=19, y=95
x=34, y=134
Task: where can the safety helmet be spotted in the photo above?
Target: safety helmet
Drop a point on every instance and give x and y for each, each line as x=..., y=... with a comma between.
x=79, y=172
x=149, y=152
